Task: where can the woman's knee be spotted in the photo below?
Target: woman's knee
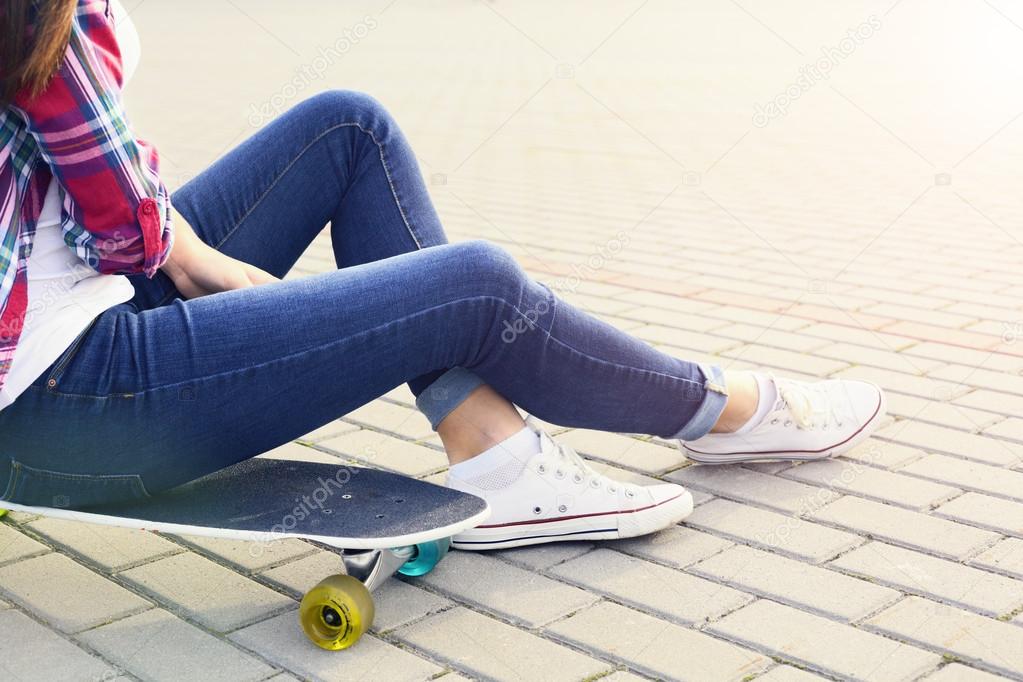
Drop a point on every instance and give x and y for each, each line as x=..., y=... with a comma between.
x=340, y=107
x=489, y=264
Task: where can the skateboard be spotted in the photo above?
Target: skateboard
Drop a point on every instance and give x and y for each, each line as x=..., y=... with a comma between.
x=379, y=523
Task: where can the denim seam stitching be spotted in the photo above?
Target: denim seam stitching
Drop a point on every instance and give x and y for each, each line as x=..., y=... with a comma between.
x=298, y=157
x=369, y=331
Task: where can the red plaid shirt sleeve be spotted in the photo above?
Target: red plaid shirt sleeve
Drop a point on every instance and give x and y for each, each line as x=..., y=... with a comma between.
x=118, y=209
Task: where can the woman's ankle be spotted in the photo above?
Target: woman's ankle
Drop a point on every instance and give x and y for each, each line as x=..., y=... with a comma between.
x=480, y=422
x=743, y=399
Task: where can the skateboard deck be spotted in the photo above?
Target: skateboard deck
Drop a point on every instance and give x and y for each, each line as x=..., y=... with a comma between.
x=261, y=499
x=380, y=523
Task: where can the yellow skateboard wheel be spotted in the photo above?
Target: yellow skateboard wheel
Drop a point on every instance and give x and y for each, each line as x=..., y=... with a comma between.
x=3, y=513
x=337, y=612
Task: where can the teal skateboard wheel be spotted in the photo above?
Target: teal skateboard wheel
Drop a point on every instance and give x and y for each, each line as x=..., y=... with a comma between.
x=427, y=555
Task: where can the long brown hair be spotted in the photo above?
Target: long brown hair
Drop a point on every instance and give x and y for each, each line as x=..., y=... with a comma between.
x=34, y=35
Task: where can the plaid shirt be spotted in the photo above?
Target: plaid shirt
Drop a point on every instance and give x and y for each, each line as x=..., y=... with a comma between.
x=116, y=211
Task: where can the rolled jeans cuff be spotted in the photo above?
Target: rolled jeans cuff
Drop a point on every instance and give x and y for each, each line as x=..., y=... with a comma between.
x=715, y=395
x=447, y=393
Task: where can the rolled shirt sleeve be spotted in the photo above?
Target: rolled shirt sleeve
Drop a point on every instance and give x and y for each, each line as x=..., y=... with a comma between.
x=117, y=211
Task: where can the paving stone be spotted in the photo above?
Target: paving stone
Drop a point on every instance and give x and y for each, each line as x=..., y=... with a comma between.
x=930, y=331
x=901, y=312
x=386, y=452
x=883, y=486
x=881, y=358
x=751, y=486
x=665, y=592
x=922, y=387
x=299, y=576
x=951, y=415
x=993, y=401
x=329, y=430
x=981, y=378
x=769, y=336
x=1011, y=428
x=969, y=475
x=248, y=555
x=1005, y=556
x=883, y=454
x=970, y=357
x=985, y=642
x=957, y=672
x=623, y=450
x=904, y=527
x=33, y=652
x=15, y=545
x=206, y=592
x=767, y=357
x=399, y=603
x=482, y=647
x=297, y=452
x=989, y=512
x=681, y=338
x=281, y=641
x=515, y=594
x=823, y=645
x=860, y=337
x=401, y=421
x=109, y=547
x=622, y=676
x=786, y=673
x=157, y=646
x=675, y=546
x=785, y=534
x=938, y=579
x=656, y=648
x=950, y=441
x=540, y=557
x=284, y=677
x=65, y=594
x=795, y=583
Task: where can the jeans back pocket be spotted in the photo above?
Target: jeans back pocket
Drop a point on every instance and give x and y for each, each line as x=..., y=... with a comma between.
x=44, y=488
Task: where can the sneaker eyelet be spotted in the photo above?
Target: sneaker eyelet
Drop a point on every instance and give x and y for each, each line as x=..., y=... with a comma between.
x=559, y=474
x=562, y=509
x=541, y=469
x=629, y=493
x=774, y=421
x=612, y=490
x=537, y=510
x=577, y=478
x=595, y=484
x=788, y=423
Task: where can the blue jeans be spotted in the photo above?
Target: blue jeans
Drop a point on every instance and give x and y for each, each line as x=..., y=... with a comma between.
x=162, y=390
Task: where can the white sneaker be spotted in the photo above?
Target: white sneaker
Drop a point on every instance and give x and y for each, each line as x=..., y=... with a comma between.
x=555, y=495
x=808, y=421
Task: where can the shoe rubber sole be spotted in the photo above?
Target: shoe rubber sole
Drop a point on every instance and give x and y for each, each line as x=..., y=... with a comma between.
x=601, y=526
x=794, y=455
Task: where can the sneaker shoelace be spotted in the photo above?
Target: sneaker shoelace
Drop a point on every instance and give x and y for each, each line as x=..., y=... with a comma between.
x=805, y=403
x=568, y=460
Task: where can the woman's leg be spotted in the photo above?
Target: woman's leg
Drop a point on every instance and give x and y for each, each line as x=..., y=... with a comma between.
x=336, y=158
x=174, y=392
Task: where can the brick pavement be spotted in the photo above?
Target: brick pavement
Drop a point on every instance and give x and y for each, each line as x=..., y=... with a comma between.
x=869, y=231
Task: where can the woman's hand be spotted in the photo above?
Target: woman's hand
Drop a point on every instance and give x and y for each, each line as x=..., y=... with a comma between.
x=197, y=269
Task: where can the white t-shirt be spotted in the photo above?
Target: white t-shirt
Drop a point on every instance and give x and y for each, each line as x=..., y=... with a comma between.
x=64, y=294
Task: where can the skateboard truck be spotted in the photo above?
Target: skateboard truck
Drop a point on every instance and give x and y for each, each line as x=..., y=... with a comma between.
x=339, y=610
